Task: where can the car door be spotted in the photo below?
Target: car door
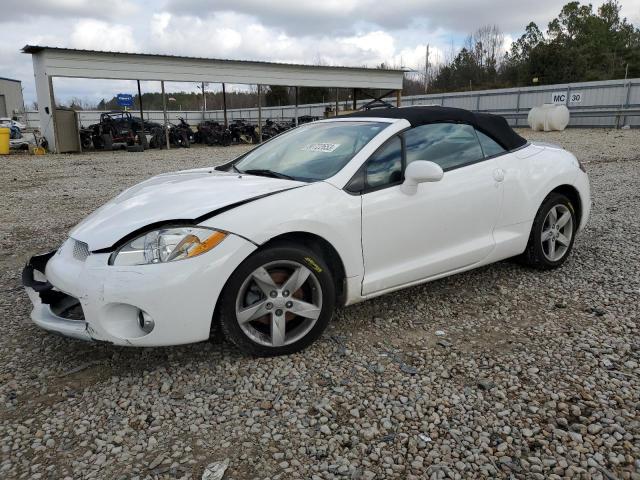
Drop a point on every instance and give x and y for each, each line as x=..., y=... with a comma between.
x=446, y=225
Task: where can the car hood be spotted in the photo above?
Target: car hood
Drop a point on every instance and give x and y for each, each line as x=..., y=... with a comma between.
x=187, y=195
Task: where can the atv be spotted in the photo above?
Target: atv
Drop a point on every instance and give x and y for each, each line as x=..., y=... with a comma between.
x=179, y=136
x=272, y=128
x=212, y=133
x=243, y=132
x=116, y=127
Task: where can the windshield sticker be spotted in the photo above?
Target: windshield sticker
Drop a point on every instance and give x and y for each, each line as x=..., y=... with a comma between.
x=320, y=147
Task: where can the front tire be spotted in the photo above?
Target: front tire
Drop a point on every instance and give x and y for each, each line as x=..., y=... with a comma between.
x=278, y=301
x=552, y=234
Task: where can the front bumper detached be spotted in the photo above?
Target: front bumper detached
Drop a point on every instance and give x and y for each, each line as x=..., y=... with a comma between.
x=53, y=310
x=82, y=296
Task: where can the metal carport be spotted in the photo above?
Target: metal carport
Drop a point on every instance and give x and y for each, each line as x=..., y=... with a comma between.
x=50, y=62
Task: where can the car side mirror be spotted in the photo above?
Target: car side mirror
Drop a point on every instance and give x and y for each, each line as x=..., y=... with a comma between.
x=420, y=171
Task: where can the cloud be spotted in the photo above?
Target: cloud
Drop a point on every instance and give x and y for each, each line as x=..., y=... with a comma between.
x=336, y=32
x=233, y=35
x=100, y=35
x=28, y=10
x=343, y=16
x=378, y=43
x=631, y=9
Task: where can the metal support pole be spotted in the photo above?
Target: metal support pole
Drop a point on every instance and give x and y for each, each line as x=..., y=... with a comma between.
x=566, y=101
x=259, y=113
x=398, y=98
x=224, y=105
x=204, y=102
x=337, y=106
x=141, y=110
x=164, y=113
x=355, y=99
x=517, y=107
x=78, y=127
x=626, y=75
x=296, y=107
x=626, y=103
x=56, y=144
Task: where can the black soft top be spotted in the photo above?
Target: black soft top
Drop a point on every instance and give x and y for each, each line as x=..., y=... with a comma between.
x=493, y=125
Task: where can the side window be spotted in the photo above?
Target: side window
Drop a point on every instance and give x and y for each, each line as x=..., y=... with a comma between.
x=385, y=166
x=450, y=145
x=489, y=146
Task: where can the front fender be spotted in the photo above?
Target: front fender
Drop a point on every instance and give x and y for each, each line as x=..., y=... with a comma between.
x=320, y=209
x=581, y=184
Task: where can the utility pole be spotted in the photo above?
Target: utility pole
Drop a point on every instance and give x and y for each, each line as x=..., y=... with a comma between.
x=426, y=70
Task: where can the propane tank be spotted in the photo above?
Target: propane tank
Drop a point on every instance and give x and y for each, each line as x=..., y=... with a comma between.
x=548, y=117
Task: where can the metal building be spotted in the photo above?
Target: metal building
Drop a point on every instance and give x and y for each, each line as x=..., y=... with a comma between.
x=11, y=102
x=50, y=62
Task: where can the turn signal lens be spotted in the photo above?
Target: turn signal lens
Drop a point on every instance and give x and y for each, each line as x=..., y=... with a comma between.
x=208, y=244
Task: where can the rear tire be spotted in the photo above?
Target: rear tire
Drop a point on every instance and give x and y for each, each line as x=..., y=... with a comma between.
x=278, y=301
x=87, y=143
x=552, y=234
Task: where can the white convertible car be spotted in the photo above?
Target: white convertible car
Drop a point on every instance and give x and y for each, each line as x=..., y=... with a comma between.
x=332, y=212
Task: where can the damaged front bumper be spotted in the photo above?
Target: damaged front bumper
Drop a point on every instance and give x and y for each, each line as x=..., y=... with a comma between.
x=82, y=296
x=53, y=310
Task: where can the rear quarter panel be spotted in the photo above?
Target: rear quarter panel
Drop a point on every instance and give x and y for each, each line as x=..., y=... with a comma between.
x=530, y=174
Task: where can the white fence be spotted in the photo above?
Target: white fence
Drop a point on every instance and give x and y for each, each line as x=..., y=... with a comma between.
x=610, y=103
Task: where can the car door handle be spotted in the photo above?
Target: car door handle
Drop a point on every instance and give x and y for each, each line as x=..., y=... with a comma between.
x=498, y=175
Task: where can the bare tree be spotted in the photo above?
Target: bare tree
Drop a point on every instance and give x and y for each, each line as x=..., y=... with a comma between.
x=78, y=103
x=485, y=45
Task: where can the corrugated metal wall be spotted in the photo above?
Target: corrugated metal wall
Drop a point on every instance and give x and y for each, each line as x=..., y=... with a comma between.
x=12, y=92
x=597, y=104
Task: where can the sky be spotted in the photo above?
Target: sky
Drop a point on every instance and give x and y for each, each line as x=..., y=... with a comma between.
x=333, y=32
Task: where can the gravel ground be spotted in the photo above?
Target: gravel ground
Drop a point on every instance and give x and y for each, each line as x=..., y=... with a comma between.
x=536, y=374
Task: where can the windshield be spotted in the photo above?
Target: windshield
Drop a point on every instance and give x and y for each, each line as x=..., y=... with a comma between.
x=311, y=152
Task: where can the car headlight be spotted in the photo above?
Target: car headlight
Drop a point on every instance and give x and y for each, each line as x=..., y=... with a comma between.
x=167, y=245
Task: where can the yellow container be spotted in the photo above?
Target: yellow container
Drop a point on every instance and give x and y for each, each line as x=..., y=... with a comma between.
x=4, y=140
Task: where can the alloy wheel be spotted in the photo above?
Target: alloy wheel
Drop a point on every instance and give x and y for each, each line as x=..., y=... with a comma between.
x=557, y=231
x=279, y=303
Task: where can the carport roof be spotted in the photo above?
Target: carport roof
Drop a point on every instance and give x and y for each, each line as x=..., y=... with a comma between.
x=40, y=48
x=67, y=62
